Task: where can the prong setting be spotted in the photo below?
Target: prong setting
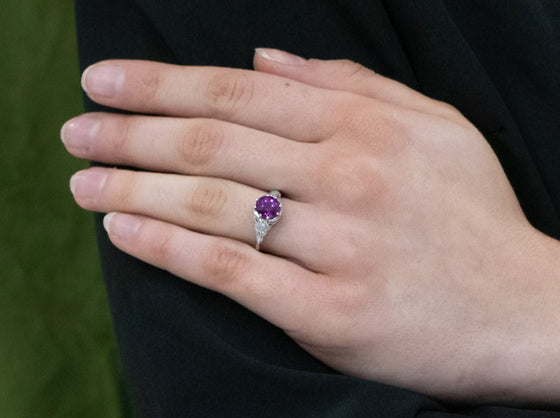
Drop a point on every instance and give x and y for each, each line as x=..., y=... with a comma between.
x=267, y=211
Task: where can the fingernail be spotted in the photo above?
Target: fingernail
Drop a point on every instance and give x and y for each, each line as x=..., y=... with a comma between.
x=103, y=80
x=282, y=57
x=121, y=225
x=79, y=132
x=88, y=183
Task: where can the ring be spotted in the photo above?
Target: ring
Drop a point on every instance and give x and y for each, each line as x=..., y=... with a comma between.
x=267, y=212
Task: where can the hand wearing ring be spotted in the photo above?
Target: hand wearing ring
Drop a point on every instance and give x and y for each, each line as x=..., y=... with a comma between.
x=402, y=254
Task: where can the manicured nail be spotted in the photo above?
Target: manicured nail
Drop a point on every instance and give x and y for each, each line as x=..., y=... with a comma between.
x=103, y=80
x=88, y=183
x=79, y=132
x=121, y=225
x=282, y=57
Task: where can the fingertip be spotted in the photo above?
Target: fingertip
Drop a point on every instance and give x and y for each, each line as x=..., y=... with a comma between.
x=103, y=79
x=279, y=56
x=121, y=225
x=84, y=77
x=107, y=221
x=77, y=133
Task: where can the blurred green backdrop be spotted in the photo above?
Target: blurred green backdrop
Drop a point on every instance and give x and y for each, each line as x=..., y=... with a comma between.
x=57, y=351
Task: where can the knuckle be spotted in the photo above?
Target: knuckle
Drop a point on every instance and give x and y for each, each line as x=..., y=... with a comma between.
x=123, y=137
x=150, y=86
x=352, y=183
x=382, y=120
x=207, y=200
x=381, y=129
x=353, y=120
x=201, y=144
x=122, y=189
x=225, y=93
x=164, y=248
x=392, y=133
x=343, y=173
x=341, y=307
x=353, y=71
x=223, y=264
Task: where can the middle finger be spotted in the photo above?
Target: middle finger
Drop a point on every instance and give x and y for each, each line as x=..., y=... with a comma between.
x=204, y=147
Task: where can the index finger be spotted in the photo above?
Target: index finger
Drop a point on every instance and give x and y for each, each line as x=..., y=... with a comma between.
x=262, y=101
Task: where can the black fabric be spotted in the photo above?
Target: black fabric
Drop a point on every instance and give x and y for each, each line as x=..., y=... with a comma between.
x=190, y=352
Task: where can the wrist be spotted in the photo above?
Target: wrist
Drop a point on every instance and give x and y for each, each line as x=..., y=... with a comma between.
x=527, y=348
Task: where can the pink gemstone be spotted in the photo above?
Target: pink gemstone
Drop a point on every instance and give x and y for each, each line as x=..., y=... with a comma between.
x=268, y=207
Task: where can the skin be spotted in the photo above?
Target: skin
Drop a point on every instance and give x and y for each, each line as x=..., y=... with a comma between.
x=402, y=255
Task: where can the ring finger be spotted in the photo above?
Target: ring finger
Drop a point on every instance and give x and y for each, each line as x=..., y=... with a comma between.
x=208, y=205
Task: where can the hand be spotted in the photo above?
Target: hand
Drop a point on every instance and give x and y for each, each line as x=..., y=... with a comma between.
x=401, y=255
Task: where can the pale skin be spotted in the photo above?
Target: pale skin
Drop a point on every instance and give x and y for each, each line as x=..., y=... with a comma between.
x=402, y=255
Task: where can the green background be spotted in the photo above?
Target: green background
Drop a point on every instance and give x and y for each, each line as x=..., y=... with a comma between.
x=57, y=350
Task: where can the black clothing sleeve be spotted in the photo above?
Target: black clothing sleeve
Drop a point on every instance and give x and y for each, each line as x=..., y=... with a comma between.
x=189, y=352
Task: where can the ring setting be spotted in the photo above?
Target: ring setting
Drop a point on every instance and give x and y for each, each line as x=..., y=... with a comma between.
x=267, y=211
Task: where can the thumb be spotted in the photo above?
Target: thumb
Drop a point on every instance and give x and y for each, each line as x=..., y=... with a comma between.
x=348, y=76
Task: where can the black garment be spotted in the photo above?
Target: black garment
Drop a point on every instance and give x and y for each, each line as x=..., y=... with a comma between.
x=191, y=352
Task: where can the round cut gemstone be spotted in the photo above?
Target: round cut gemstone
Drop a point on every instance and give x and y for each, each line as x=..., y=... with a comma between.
x=268, y=207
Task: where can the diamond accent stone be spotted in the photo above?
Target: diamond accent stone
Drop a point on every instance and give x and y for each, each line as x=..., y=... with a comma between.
x=262, y=226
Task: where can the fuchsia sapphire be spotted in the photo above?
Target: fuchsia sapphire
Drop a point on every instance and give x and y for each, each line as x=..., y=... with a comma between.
x=267, y=212
x=268, y=207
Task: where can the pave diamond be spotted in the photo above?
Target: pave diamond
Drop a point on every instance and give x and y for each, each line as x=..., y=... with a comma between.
x=261, y=228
